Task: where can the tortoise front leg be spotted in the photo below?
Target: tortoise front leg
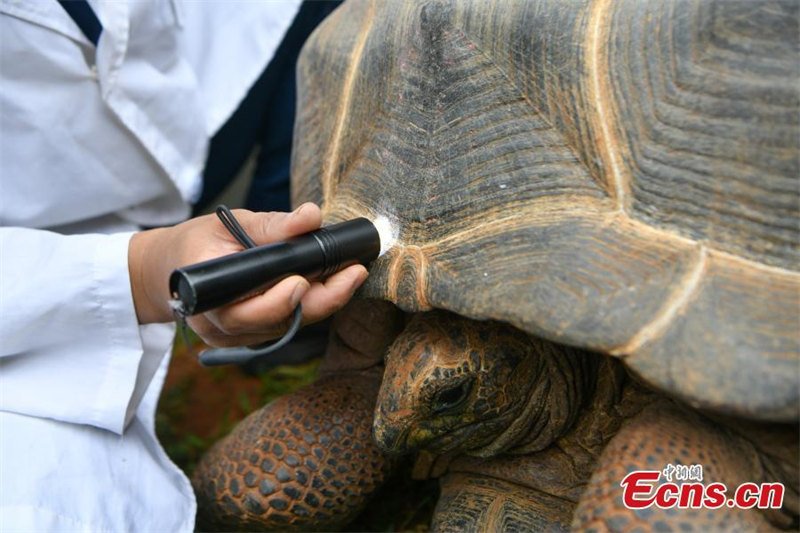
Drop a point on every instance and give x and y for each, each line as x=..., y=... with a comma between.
x=306, y=461
x=666, y=434
x=476, y=503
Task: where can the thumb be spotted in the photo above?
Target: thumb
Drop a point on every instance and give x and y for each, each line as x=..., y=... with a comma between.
x=266, y=228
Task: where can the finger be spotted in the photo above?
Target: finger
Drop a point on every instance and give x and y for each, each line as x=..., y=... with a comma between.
x=265, y=228
x=263, y=313
x=203, y=327
x=324, y=299
x=213, y=336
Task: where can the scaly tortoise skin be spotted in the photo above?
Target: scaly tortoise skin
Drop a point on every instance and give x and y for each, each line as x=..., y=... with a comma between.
x=616, y=176
x=307, y=460
x=531, y=435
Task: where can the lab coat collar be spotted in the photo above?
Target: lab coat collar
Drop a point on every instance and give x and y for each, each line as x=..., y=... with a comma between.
x=113, y=42
x=48, y=15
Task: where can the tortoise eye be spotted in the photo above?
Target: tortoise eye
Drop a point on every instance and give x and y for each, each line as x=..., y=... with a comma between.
x=451, y=397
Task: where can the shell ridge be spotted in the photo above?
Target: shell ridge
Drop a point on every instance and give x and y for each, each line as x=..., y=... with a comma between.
x=418, y=262
x=422, y=277
x=676, y=303
x=618, y=183
x=331, y=173
x=394, y=273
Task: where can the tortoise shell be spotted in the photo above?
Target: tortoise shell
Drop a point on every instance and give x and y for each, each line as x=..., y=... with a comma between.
x=619, y=176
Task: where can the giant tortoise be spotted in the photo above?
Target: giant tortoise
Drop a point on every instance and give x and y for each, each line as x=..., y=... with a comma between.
x=617, y=178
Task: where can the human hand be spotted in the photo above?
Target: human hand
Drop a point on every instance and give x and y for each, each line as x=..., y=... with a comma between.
x=154, y=254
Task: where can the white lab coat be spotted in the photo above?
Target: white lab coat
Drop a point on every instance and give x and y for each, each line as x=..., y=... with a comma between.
x=93, y=143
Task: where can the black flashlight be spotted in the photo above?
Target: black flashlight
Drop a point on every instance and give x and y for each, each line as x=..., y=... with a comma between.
x=203, y=286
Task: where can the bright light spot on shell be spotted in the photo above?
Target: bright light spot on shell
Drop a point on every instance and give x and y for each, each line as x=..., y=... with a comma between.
x=387, y=231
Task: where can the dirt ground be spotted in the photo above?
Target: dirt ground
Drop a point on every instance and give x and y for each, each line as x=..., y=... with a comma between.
x=201, y=405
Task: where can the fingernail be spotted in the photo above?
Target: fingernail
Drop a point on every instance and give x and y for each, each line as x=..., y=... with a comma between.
x=297, y=211
x=361, y=278
x=299, y=291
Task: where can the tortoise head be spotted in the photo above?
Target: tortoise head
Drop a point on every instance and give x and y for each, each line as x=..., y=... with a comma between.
x=454, y=385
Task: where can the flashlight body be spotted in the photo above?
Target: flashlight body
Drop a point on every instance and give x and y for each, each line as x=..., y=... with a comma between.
x=214, y=283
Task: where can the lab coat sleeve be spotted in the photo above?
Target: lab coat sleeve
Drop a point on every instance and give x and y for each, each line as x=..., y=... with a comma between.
x=71, y=348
